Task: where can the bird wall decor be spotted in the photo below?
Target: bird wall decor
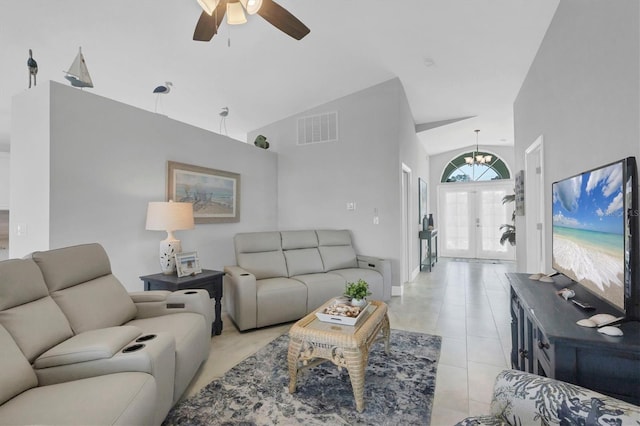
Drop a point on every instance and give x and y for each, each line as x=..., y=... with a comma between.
x=223, y=119
x=162, y=90
x=33, y=68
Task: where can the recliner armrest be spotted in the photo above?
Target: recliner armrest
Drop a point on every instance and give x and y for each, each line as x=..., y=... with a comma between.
x=88, y=346
x=240, y=297
x=159, y=302
x=381, y=265
x=149, y=296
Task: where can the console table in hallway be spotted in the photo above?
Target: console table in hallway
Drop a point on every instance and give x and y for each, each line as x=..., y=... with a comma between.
x=431, y=237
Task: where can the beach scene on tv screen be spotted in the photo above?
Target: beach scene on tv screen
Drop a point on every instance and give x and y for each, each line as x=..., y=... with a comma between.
x=588, y=231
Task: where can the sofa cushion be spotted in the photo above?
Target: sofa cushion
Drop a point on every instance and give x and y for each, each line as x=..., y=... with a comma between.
x=30, y=316
x=303, y=261
x=99, y=303
x=88, y=293
x=280, y=300
x=21, y=283
x=17, y=374
x=321, y=287
x=338, y=257
x=268, y=264
x=333, y=237
x=299, y=239
x=256, y=242
x=89, y=261
x=36, y=326
x=336, y=249
x=112, y=399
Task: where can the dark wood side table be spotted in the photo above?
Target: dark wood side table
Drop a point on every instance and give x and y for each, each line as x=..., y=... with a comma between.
x=207, y=279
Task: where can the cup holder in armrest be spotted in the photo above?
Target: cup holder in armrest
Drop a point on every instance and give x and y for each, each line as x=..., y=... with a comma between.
x=191, y=292
x=132, y=348
x=146, y=338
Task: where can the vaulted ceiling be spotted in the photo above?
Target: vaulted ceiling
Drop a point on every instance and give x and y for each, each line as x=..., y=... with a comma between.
x=455, y=58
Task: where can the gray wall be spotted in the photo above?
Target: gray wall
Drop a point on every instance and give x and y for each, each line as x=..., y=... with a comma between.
x=107, y=161
x=581, y=94
x=315, y=182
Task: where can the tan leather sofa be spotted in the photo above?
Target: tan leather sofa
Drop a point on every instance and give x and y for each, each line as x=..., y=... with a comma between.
x=282, y=276
x=81, y=350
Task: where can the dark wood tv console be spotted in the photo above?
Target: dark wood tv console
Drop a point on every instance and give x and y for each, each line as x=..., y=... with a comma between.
x=547, y=341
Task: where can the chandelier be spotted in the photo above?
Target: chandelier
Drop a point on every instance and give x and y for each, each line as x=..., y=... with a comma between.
x=477, y=157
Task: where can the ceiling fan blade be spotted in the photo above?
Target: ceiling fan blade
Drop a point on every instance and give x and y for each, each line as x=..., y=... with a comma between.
x=208, y=25
x=283, y=20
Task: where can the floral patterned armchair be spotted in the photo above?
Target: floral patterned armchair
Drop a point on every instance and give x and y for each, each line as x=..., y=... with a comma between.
x=521, y=398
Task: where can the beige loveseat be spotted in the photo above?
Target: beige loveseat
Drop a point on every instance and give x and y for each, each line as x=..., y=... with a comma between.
x=76, y=348
x=282, y=276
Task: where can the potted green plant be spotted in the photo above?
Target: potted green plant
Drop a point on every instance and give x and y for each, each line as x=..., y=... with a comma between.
x=509, y=229
x=357, y=292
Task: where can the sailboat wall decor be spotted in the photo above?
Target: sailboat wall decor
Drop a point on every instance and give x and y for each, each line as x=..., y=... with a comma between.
x=78, y=74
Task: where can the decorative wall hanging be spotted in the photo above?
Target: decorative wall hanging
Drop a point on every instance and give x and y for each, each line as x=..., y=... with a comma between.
x=519, y=190
x=422, y=202
x=215, y=194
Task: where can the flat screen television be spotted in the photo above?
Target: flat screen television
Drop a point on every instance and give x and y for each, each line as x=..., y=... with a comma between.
x=595, y=233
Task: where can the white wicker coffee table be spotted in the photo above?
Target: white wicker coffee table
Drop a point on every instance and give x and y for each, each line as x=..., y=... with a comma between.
x=312, y=342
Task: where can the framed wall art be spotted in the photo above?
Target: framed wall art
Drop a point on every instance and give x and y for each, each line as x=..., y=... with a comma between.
x=422, y=199
x=215, y=194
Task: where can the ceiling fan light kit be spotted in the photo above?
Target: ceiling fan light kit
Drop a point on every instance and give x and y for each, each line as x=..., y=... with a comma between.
x=209, y=6
x=235, y=14
x=270, y=11
x=251, y=6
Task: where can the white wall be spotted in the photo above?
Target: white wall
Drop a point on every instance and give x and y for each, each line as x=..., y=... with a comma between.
x=29, y=173
x=108, y=160
x=4, y=180
x=315, y=182
x=582, y=94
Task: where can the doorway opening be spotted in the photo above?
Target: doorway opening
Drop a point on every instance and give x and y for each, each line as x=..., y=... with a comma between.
x=470, y=217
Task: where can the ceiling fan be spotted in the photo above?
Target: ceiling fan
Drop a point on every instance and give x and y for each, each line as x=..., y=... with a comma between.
x=272, y=12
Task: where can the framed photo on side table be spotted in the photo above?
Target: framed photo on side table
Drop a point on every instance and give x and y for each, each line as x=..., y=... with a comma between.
x=187, y=263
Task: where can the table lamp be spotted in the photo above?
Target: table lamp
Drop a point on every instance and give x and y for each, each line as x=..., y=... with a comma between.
x=169, y=216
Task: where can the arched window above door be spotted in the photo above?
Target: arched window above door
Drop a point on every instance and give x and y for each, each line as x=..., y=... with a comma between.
x=458, y=170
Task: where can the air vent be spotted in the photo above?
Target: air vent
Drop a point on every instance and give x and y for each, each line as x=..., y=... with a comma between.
x=318, y=128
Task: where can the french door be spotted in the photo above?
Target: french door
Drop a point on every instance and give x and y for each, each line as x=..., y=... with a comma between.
x=470, y=216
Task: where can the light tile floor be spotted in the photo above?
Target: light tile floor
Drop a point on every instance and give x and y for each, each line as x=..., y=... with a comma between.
x=465, y=302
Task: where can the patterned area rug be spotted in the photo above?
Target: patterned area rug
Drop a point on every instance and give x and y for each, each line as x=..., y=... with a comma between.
x=399, y=389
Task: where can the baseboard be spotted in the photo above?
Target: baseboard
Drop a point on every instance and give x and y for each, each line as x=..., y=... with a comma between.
x=396, y=290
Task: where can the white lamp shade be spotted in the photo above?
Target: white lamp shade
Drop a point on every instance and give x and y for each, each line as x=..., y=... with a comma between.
x=235, y=14
x=252, y=6
x=208, y=6
x=169, y=216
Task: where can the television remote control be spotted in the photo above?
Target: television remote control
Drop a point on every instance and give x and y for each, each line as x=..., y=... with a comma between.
x=583, y=305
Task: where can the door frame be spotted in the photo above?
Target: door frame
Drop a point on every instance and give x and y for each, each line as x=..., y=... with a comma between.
x=534, y=217
x=473, y=188
x=407, y=235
